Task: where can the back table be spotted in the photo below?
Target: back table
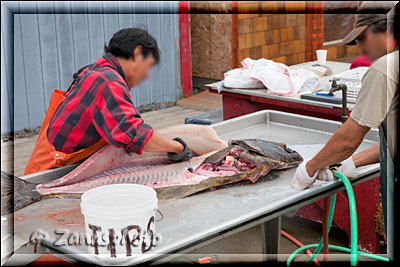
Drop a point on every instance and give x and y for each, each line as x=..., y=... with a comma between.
x=237, y=102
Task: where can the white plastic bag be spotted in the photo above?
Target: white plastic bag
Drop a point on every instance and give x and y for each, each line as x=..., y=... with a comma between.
x=276, y=77
x=240, y=77
x=304, y=80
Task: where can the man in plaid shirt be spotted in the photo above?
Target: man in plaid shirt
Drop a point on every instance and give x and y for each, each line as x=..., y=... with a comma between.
x=98, y=103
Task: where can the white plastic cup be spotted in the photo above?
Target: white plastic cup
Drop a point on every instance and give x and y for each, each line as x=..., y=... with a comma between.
x=121, y=218
x=321, y=56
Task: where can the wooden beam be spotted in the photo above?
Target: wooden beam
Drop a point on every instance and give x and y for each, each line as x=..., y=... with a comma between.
x=235, y=55
x=314, y=28
x=184, y=36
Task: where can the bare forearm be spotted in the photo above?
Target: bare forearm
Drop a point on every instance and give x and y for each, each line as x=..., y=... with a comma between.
x=336, y=150
x=367, y=156
x=158, y=143
x=341, y=146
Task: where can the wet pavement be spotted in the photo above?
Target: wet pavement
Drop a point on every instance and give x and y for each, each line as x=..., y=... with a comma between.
x=246, y=245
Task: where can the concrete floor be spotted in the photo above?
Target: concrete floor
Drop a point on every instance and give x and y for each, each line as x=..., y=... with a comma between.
x=203, y=101
x=246, y=245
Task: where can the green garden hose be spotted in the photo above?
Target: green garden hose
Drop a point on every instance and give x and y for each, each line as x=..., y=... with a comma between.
x=353, y=216
x=297, y=251
x=353, y=227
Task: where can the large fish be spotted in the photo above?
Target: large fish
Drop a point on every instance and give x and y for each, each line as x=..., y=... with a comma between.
x=201, y=139
x=247, y=159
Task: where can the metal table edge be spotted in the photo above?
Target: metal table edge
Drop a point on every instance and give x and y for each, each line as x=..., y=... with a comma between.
x=275, y=97
x=331, y=189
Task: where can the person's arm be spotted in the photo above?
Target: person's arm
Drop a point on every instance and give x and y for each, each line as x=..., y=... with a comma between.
x=368, y=156
x=119, y=122
x=339, y=147
x=159, y=143
x=374, y=101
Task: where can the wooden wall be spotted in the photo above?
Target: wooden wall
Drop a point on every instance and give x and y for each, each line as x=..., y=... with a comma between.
x=279, y=37
x=284, y=38
x=220, y=41
x=211, y=38
x=339, y=51
x=49, y=48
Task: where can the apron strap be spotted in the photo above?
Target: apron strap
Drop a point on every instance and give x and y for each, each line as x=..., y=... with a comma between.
x=76, y=77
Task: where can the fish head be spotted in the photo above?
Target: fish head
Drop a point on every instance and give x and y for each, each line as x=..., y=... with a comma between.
x=249, y=157
x=276, y=153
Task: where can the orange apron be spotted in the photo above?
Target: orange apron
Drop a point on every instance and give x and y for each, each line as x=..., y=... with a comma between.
x=44, y=155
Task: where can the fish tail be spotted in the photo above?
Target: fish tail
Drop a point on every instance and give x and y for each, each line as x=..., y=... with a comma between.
x=16, y=193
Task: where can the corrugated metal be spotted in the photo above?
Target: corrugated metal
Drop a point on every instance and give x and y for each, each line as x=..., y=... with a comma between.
x=49, y=48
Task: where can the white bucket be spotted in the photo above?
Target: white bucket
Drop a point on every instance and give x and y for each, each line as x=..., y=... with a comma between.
x=119, y=220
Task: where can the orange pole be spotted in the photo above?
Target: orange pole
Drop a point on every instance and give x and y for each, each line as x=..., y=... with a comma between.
x=327, y=202
x=298, y=243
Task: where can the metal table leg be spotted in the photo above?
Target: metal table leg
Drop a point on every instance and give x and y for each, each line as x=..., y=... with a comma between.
x=270, y=238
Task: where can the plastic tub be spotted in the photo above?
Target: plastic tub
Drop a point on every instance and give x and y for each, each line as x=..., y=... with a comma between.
x=119, y=220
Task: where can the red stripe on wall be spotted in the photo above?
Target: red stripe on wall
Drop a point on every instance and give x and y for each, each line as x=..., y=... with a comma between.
x=184, y=34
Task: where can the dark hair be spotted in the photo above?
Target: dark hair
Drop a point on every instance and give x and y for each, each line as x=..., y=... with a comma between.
x=124, y=42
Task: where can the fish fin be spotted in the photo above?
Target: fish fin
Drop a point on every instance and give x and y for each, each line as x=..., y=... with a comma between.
x=177, y=191
x=64, y=195
x=259, y=173
x=16, y=193
x=181, y=191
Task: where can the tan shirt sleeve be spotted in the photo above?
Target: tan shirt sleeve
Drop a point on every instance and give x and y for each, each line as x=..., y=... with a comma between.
x=374, y=99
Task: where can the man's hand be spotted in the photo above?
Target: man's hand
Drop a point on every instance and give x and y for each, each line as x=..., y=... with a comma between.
x=185, y=155
x=347, y=169
x=128, y=150
x=340, y=146
x=301, y=179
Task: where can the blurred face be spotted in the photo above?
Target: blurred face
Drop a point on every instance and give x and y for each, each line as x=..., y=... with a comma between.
x=137, y=69
x=373, y=45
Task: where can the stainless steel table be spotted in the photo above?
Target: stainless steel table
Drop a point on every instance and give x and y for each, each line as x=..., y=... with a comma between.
x=203, y=218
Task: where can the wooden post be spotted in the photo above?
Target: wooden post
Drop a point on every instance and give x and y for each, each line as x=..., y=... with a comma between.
x=235, y=55
x=314, y=28
x=184, y=36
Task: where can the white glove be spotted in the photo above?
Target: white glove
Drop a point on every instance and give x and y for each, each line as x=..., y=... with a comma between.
x=347, y=169
x=301, y=180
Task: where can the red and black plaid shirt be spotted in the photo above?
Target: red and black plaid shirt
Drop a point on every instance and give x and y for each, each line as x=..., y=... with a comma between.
x=98, y=105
